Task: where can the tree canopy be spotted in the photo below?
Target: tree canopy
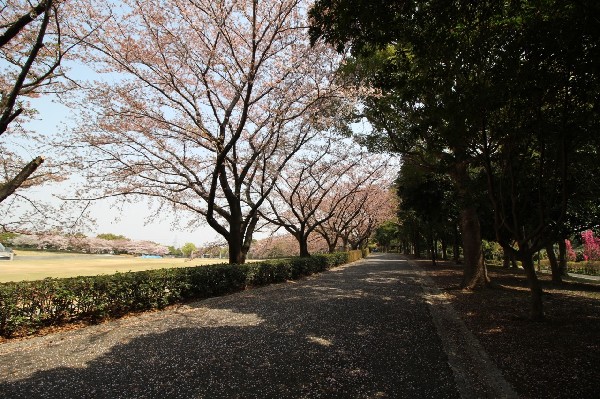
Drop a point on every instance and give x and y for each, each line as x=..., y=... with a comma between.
x=508, y=89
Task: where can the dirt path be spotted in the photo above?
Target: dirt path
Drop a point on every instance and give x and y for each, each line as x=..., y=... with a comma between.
x=364, y=330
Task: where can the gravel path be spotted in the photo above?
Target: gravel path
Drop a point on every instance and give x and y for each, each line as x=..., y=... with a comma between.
x=363, y=330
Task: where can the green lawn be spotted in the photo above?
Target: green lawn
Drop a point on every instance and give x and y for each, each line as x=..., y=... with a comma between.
x=34, y=265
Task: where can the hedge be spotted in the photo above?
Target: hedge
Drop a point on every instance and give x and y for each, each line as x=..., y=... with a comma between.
x=591, y=267
x=28, y=306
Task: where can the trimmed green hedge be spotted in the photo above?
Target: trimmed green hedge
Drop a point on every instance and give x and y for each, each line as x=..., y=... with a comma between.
x=591, y=267
x=28, y=306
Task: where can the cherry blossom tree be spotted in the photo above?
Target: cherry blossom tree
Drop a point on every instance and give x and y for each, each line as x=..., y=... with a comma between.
x=374, y=205
x=81, y=243
x=34, y=42
x=97, y=245
x=208, y=102
x=30, y=55
x=277, y=246
x=321, y=184
x=25, y=241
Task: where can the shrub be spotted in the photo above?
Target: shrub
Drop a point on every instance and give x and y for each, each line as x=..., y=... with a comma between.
x=591, y=245
x=354, y=255
x=591, y=268
x=28, y=306
x=491, y=250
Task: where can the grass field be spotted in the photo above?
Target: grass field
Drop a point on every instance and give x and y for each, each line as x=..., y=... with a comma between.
x=34, y=265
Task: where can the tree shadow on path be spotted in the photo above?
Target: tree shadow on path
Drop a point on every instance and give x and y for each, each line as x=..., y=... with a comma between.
x=359, y=331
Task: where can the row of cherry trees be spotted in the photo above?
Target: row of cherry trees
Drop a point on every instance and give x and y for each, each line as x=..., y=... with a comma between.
x=220, y=112
x=81, y=243
x=336, y=191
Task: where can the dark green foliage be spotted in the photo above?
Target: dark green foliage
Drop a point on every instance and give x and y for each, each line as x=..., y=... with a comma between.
x=28, y=306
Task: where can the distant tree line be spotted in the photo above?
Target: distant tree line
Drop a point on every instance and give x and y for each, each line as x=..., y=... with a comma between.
x=102, y=244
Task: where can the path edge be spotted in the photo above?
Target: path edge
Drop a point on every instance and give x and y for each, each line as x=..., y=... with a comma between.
x=475, y=373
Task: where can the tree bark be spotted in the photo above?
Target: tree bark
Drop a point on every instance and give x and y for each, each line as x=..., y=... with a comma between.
x=303, y=246
x=475, y=273
x=444, y=249
x=416, y=245
x=238, y=248
x=556, y=277
x=562, y=258
x=456, y=245
x=433, y=251
x=236, y=253
x=508, y=260
x=11, y=186
x=505, y=260
x=537, y=307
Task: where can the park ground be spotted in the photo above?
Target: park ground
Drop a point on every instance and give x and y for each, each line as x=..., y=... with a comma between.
x=381, y=327
x=556, y=358
x=36, y=265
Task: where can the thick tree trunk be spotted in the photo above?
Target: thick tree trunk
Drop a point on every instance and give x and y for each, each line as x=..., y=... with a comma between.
x=237, y=256
x=456, y=245
x=238, y=242
x=537, y=307
x=416, y=246
x=303, y=247
x=331, y=248
x=475, y=272
x=556, y=277
x=562, y=258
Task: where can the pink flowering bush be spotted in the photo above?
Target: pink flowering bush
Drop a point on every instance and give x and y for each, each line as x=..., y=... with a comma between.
x=591, y=245
x=571, y=255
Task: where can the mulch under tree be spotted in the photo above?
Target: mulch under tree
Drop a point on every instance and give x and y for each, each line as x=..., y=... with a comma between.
x=555, y=358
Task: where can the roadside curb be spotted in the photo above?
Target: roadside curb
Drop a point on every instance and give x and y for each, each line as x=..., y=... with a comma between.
x=476, y=375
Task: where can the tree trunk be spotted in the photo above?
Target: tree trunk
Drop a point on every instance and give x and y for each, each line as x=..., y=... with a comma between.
x=556, y=277
x=303, y=247
x=456, y=245
x=475, y=273
x=505, y=260
x=508, y=260
x=237, y=242
x=537, y=307
x=444, y=249
x=416, y=245
x=237, y=256
x=562, y=258
x=433, y=251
